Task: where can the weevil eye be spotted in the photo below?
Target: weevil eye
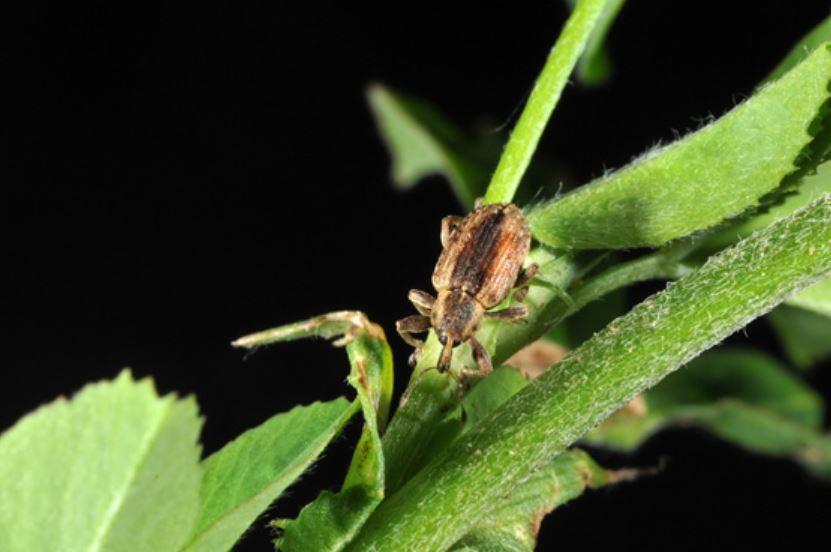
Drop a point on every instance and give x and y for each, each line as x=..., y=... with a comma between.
x=443, y=339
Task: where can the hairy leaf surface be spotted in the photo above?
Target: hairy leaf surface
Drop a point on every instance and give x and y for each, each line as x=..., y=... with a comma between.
x=114, y=468
x=804, y=334
x=332, y=519
x=422, y=142
x=695, y=183
x=595, y=65
x=514, y=521
x=439, y=504
x=249, y=473
x=741, y=395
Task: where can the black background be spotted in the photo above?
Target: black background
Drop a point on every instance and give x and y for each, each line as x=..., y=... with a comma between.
x=178, y=177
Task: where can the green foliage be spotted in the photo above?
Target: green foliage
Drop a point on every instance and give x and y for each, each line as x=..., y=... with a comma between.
x=514, y=519
x=810, y=42
x=543, y=99
x=590, y=319
x=741, y=395
x=331, y=520
x=811, y=187
x=816, y=298
x=814, y=177
x=804, y=335
x=490, y=393
x=423, y=142
x=249, y=473
x=595, y=66
x=433, y=395
x=693, y=184
x=114, y=468
x=485, y=396
x=629, y=356
x=481, y=475
x=513, y=522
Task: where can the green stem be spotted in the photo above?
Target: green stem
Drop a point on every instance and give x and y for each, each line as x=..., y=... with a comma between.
x=552, y=305
x=415, y=423
x=549, y=304
x=663, y=264
x=441, y=502
x=542, y=101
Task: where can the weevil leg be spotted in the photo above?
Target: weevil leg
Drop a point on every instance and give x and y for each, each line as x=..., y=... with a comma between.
x=422, y=301
x=446, y=356
x=524, y=279
x=509, y=314
x=443, y=367
x=448, y=226
x=528, y=273
x=413, y=324
x=482, y=358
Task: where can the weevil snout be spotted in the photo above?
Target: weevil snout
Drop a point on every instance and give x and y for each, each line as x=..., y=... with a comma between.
x=456, y=316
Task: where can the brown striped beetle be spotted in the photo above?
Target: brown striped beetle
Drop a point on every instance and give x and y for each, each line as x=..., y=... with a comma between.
x=480, y=264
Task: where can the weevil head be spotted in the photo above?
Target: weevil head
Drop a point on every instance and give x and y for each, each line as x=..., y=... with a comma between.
x=456, y=316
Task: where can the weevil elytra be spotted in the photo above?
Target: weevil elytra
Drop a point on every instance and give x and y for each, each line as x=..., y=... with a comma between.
x=480, y=264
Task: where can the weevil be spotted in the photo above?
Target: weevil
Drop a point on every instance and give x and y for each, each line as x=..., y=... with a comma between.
x=480, y=264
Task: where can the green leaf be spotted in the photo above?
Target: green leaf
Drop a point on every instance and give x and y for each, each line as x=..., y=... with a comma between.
x=741, y=395
x=816, y=298
x=814, y=177
x=249, y=473
x=583, y=324
x=595, y=66
x=365, y=343
x=407, y=442
x=485, y=396
x=695, y=183
x=114, y=468
x=488, y=394
x=736, y=374
x=589, y=299
x=543, y=99
x=332, y=519
x=422, y=142
x=804, y=335
x=810, y=188
x=514, y=521
x=422, y=427
x=440, y=503
x=810, y=42
x=601, y=298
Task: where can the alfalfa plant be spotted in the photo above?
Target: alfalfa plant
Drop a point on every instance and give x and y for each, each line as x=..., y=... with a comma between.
x=736, y=216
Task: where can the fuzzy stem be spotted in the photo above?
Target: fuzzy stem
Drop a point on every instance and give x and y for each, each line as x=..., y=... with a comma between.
x=542, y=101
x=441, y=502
x=434, y=394
x=663, y=264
